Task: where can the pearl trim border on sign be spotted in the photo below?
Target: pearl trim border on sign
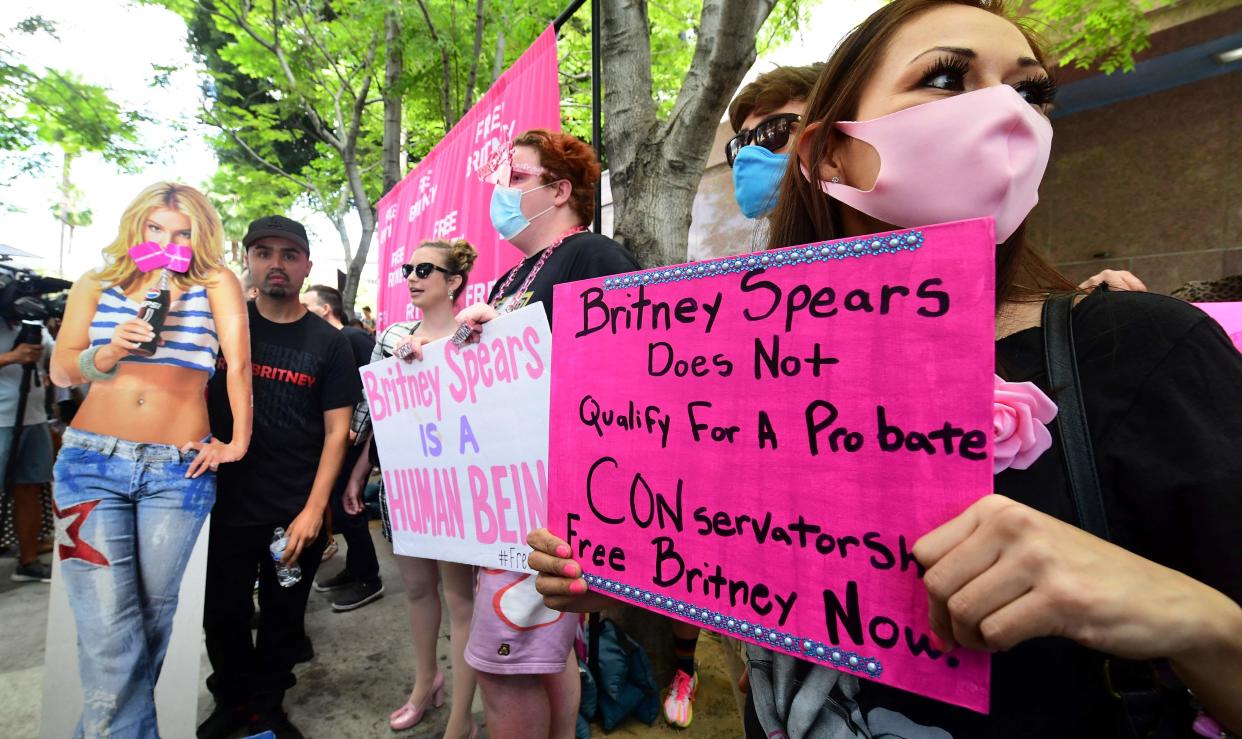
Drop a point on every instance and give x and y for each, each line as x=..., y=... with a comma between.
x=825, y=252
x=823, y=653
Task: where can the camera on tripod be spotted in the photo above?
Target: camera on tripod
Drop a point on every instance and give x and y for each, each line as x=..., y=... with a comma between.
x=23, y=295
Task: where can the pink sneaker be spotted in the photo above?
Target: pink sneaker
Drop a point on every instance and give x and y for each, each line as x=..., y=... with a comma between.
x=679, y=700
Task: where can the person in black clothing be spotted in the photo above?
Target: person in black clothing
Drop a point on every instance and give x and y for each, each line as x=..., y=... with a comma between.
x=305, y=386
x=359, y=579
x=543, y=202
x=1015, y=573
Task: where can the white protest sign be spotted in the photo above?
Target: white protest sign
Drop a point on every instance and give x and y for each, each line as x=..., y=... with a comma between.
x=463, y=442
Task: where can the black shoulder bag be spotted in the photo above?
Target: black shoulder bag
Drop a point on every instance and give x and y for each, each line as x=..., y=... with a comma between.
x=1145, y=708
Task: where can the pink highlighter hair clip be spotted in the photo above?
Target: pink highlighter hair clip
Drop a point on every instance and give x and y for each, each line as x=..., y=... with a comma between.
x=150, y=255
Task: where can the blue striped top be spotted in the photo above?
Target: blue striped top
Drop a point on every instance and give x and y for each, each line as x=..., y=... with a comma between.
x=189, y=334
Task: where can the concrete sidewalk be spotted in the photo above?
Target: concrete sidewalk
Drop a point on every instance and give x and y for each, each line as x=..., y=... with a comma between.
x=362, y=671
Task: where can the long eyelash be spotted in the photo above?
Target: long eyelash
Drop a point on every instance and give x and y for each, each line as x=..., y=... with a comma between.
x=946, y=64
x=1045, y=87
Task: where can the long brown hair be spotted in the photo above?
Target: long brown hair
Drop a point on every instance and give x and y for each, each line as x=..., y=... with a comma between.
x=805, y=214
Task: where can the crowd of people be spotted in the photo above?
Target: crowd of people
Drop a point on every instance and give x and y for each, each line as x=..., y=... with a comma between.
x=246, y=403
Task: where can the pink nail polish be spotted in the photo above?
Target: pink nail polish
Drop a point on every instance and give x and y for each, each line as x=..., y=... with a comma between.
x=563, y=550
x=569, y=570
x=577, y=587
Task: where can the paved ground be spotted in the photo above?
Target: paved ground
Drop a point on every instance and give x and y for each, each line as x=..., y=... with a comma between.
x=361, y=672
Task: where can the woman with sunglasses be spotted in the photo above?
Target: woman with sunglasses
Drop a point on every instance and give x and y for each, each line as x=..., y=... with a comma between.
x=764, y=116
x=936, y=110
x=436, y=275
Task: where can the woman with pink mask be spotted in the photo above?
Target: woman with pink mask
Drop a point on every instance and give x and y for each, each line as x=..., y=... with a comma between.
x=1105, y=574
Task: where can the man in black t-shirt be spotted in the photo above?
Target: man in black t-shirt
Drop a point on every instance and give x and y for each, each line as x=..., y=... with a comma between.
x=305, y=386
x=359, y=581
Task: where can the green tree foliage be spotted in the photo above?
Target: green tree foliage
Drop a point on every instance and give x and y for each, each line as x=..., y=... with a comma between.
x=61, y=109
x=1086, y=33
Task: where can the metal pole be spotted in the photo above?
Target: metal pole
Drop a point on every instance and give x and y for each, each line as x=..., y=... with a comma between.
x=597, y=131
x=566, y=14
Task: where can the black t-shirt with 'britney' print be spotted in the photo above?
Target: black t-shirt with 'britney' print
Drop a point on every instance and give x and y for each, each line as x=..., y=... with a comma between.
x=300, y=370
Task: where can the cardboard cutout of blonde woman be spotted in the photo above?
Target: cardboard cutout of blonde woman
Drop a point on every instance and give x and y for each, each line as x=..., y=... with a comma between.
x=135, y=478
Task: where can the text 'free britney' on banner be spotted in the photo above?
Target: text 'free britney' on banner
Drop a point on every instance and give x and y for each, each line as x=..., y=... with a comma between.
x=443, y=198
x=463, y=442
x=753, y=444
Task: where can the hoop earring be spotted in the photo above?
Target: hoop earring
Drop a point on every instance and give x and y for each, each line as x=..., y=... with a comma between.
x=836, y=180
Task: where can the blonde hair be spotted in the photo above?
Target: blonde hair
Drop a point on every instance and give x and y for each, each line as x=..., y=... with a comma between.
x=206, y=236
x=461, y=256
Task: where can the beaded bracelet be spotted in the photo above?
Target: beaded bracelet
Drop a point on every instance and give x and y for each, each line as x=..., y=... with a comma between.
x=86, y=363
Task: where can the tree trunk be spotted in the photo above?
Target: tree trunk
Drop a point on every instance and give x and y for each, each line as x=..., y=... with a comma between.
x=366, y=218
x=64, y=212
x=394, y=67
x=656, y=165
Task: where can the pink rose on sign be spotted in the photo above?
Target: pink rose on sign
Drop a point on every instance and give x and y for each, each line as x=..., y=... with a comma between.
x=1021, y=413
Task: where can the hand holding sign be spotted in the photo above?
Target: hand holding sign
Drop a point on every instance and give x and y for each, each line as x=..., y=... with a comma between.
x=1002, y=573
x=754, y=444
x=461, y=482
x=560, y=576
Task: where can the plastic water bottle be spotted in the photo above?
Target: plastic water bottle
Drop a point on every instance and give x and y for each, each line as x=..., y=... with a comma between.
x=286, y=576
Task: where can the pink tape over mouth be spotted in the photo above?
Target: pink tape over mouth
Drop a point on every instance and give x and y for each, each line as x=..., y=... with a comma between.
x=150, y=255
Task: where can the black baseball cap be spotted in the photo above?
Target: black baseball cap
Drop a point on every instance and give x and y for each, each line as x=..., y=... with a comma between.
x=285, y=228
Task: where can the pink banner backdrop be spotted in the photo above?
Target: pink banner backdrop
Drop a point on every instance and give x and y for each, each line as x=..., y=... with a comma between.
x=753, y=444
x=442, y=198
x=1228, y=315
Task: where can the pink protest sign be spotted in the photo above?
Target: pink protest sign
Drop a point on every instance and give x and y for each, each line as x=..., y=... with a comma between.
x=442, y=198
x=754, y=444
x=463, y=441
x=1229, y=316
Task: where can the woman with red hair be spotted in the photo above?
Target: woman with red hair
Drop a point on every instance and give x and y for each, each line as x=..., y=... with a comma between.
x=543, y=202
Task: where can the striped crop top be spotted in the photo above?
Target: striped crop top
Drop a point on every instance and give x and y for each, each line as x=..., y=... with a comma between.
x=189, y=333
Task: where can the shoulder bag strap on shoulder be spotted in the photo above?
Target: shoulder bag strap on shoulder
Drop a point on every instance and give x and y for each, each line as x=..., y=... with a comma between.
x=1076, y=451
x=1135, y=685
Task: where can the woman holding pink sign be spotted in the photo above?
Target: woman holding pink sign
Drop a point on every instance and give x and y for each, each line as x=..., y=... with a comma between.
x=135, y=478
x=1105, y=573
x=436, y=275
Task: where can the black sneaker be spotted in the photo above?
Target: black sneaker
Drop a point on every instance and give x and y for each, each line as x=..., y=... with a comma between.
x=36, y=571
x=342, y=579
x=275, y=721
x=358, y=596
x=223, y=722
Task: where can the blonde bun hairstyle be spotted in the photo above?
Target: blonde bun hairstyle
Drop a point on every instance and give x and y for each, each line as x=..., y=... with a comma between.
x=461, y=257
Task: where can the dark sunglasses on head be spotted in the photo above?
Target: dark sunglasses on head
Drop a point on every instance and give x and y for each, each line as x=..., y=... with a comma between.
x=423, y=270
x=772, y=133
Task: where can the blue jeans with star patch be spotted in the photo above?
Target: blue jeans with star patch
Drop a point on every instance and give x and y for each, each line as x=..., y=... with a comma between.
x=126, y=522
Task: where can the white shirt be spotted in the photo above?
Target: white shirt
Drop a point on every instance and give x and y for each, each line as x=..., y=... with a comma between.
x=11, y=377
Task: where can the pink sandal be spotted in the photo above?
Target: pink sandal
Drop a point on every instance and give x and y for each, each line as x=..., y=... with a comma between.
x=409, y=715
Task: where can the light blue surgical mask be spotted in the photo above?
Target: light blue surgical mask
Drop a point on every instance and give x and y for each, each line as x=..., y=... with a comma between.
x=757, y=176
x=506, y=210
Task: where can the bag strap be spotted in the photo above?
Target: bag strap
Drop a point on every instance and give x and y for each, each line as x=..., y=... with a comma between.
x=1135, y=685
x=1061, y=363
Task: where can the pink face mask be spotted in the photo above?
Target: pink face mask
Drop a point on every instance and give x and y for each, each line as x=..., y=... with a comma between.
x=977, y=154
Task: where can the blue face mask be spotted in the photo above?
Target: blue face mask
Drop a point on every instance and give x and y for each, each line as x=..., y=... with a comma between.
x=757, y=176
x=506, y=211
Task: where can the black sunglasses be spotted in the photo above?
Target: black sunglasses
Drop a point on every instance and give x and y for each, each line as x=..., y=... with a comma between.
x=772, y=133
x=423, y=270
